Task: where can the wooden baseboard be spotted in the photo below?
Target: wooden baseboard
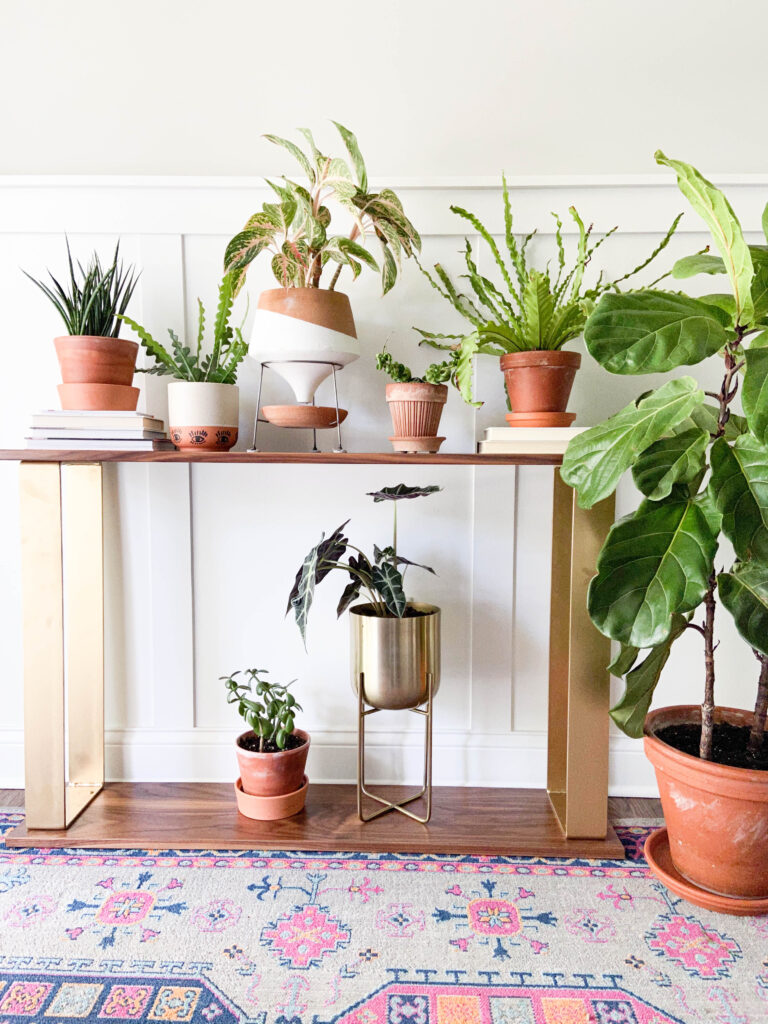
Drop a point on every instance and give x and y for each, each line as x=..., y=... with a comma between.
x=485, y=822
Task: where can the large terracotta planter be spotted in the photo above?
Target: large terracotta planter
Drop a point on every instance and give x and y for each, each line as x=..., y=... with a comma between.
x=539, y=385
x=203, y=416
x=96, y=373
x=416, y=410
x=716, y=815
x=395, y=656
x=276, y=774
x=300, y=332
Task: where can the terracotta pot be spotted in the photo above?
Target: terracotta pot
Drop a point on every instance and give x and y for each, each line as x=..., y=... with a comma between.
x=271, y=808
x=316, y=417
x=416, y=408
x=301, y=332
x=98, y=396
x=273, y=774
x=203, y=416
x=717, y=816
x=540, y=381
x=88, y=360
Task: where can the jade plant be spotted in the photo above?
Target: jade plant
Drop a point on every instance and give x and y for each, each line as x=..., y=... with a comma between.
x=94, y=298
x=219, y=366
x=381, y=578
x=435, y=373
x=703, y=470
x=529, y=308
x=296, y=230
x=267, y=708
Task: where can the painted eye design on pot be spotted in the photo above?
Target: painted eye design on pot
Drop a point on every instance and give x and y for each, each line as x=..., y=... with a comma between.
x=176, y=435
x=223, y=435
x=198, y=436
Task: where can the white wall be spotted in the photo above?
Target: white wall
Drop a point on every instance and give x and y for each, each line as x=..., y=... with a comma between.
x=200, y=559
x=433, y=87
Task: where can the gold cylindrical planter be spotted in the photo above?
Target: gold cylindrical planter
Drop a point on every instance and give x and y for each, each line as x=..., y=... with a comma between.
x=394, y=657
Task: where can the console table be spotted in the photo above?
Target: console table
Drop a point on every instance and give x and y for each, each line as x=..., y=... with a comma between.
x=68, y=803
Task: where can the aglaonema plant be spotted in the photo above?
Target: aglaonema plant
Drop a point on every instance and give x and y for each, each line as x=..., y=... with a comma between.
x=703, y=470
x=381, y=578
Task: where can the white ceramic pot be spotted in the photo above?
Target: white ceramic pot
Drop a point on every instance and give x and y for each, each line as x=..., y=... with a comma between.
x=300, y=332
x=203, y=416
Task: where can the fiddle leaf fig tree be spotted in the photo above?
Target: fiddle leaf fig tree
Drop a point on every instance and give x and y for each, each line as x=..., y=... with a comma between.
x=702, y=469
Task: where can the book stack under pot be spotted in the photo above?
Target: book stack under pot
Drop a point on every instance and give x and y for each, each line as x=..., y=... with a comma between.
x=105, y=430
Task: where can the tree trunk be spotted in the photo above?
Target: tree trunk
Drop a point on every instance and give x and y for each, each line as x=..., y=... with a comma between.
x=708, y=707
x=757, y=734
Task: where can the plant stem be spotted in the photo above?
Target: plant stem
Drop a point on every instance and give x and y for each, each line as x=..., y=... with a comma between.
x=394, y=530
x=757, y=733
x=316, y=267
x=335, y=278
x=708, y=707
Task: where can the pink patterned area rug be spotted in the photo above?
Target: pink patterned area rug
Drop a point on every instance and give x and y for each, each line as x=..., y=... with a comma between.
x=285, y=938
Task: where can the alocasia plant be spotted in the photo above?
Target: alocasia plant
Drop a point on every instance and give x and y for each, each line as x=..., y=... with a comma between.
x=380, y=577
x=296, y=229
x=702, y=469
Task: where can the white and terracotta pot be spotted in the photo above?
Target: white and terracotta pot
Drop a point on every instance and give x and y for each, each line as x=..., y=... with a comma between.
x=203, y=416
x=416, y=409
x=299, y=332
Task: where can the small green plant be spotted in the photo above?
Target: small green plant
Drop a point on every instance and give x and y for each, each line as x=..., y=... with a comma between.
x=94, y=299
x=532, y=308
x=435, y=373
x=295, y=230
x=703, y=470
x=219, y=366
x=380, y=577
x=268, y=708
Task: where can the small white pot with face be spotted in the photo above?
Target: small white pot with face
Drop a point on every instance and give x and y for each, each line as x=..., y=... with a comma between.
x=203, y=416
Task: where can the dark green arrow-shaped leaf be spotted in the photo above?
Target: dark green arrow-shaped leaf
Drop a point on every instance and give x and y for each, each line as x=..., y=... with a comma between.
x=629, y=713
x=739, y=486
x=754, y=395
x=388, y=582
x=652, y=331
x=400, y=491
x=744, y=592
x=671, y=460
x=654, y=564
x=596, y=459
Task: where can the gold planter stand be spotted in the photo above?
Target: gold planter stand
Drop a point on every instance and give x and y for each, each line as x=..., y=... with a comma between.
x=395, y=666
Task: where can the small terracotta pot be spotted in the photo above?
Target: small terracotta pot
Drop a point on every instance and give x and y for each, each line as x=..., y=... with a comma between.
x=85, y=359
x=98, y=396
x=203, y=416
x=416, y=410
x=272, y=774
x=539, y=381
x=716, y=815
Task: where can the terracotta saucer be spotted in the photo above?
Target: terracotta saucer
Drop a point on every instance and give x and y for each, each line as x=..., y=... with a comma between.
x=318, y=417
x=270, y=808
x=426, y=445
x=659, y=857
x=540, y=419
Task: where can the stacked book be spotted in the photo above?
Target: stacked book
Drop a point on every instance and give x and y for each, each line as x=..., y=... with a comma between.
x=527, y=440
x=107, y=430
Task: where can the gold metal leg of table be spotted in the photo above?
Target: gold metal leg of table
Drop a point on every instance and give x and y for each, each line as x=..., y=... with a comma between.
x=577, y=762
x=63, y=635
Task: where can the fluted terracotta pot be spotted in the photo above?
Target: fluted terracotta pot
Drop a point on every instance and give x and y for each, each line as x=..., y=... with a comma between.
x=416, y=409
x=539, y=385
x=716, y=815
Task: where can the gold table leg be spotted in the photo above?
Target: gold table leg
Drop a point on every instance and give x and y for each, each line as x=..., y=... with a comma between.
x=577, y=756
x=63, y=612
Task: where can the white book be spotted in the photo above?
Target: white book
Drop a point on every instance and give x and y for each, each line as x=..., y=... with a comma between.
x=59, y=444
x=522, y=447
x=96, y=433
x=559, y=434
x=89, y=418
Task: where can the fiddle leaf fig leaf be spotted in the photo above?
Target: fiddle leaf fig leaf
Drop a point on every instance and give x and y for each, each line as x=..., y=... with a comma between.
x=744, y=592
x=388, y=582
x=400, y=491
x=624, y=660
x=629, y=713
x=698, y=263
x=653, y=331
x=596, y=459
x=765, y=221
x=654, y=564
x=671, y=460
x=739, y=486
x=754, y=395
x=715, y=210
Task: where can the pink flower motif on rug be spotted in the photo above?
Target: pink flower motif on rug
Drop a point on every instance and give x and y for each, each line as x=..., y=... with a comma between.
x=302, y=938
x=493, y=917
x=217, y=916
x=400, y=920
x=29, y=911
x=702, y=952
x=126, y=907
x=590, y=926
